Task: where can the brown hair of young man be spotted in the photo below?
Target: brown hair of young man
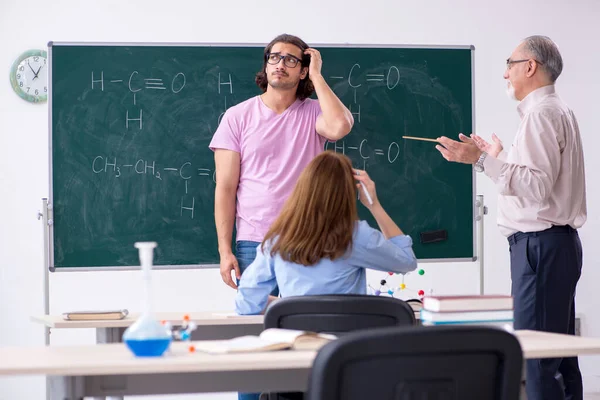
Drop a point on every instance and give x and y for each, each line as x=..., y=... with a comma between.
x=305, y=87
x=317, y=220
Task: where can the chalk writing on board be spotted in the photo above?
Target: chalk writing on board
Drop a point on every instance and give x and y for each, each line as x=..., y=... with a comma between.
x=356, y=111
x=139, y=118
x=102, y=164
x=136, y=83
x=225, y=83
x=364, y=151
x=375, y=77
x=391, y=77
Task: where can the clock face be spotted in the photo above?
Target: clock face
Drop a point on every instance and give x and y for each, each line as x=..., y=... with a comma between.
x=29, y=76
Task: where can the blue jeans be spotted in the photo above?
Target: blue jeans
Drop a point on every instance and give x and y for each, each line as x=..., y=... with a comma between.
x=245, y=252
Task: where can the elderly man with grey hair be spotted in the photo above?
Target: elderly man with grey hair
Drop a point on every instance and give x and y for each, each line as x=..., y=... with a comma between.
x=541, y=204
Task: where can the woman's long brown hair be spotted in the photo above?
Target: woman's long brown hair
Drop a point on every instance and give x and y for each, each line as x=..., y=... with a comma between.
x=317, y=220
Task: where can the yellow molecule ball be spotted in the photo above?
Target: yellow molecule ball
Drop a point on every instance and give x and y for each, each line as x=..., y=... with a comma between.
x=402, y=286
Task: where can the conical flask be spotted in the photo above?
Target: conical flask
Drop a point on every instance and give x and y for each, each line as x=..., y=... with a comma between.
x=147, y=337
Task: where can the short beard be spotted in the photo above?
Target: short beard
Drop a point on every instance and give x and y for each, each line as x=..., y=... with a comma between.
x=277, y=84
x=510, y=92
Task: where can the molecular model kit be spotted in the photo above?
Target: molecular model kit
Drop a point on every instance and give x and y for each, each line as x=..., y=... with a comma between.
x=388, y=287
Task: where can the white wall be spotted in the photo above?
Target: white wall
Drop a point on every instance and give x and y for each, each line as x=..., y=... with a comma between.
x=494, y=28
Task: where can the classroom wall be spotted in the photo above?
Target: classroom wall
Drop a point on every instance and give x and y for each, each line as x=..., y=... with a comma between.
x=494, y=28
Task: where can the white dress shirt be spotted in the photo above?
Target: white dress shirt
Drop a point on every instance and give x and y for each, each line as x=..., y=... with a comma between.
x=541, y=181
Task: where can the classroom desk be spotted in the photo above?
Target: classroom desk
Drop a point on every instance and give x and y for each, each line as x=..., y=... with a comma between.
x=211, y=325
x=111, y=370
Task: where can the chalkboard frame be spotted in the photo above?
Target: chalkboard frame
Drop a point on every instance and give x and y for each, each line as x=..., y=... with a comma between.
x=50, y=250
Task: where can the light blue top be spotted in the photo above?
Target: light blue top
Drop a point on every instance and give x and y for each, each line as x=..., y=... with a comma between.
x=344, y=275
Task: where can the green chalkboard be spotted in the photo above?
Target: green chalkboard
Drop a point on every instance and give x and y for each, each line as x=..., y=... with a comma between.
x=130, y=126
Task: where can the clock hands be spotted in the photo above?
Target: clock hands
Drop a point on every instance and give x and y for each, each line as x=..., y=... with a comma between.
x=36, y=73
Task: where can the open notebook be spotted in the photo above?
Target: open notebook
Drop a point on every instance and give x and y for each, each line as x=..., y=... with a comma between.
x=269, y=340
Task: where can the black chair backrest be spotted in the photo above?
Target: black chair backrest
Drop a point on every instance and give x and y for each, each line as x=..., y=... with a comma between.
x=338, y=314
x=440, y=362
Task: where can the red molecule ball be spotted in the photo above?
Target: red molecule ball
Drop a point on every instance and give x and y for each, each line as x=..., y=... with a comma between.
x=421, y=293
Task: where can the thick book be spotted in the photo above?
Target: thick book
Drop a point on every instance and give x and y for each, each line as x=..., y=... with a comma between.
x=466, y=316
x=95, y=315
x=269, y=340
x=467, y=303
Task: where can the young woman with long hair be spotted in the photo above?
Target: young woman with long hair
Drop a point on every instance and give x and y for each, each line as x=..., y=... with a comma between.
x=318, y=245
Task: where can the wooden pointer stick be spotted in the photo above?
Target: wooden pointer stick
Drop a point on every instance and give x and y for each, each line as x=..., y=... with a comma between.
x=419, y=138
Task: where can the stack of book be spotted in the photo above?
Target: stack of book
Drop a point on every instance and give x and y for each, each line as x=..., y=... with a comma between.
x=491, y=310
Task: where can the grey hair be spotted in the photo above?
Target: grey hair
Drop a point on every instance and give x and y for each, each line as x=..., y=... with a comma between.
x=544, y=50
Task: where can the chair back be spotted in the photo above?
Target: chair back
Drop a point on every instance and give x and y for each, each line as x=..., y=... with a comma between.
x=338, y=314
x=437, y=362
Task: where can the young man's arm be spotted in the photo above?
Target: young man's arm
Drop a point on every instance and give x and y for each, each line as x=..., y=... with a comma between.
x=336, y=120
x=227, y=163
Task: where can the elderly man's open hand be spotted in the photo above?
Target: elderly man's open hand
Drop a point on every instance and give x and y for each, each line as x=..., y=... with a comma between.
x=493, y=149
x=465, y=151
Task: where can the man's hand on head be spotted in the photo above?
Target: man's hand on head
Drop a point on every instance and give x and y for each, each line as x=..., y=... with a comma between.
x=316, y=62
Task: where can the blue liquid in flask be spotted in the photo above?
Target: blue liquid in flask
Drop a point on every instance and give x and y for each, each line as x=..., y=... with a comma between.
x=148, y=347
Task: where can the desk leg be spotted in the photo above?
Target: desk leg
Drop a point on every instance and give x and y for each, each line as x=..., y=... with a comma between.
x=109, y=335
x=65, y=388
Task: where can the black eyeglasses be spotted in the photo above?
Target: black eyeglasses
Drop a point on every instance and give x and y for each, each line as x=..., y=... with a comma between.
x=509, y=62
x=289, y=60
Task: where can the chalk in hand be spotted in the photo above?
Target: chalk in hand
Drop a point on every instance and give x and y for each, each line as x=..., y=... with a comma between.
x=367, y=193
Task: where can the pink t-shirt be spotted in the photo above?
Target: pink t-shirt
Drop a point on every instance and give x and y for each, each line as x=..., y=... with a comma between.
x=274, y=149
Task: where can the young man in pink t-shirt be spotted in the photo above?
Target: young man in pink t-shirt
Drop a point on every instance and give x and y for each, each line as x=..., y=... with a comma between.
x=262, y=145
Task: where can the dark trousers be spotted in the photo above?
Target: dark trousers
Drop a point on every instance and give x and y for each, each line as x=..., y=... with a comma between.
x=545, y=267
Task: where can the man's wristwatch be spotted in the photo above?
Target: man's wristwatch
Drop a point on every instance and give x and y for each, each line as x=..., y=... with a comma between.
x=479, y=164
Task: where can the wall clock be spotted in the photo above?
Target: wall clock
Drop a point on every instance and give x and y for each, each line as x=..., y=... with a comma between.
x=29, y=76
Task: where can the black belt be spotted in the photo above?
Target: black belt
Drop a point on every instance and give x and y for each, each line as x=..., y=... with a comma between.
x=515, y=237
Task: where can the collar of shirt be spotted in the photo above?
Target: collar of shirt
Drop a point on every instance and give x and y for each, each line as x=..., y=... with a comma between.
x=534, y=98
